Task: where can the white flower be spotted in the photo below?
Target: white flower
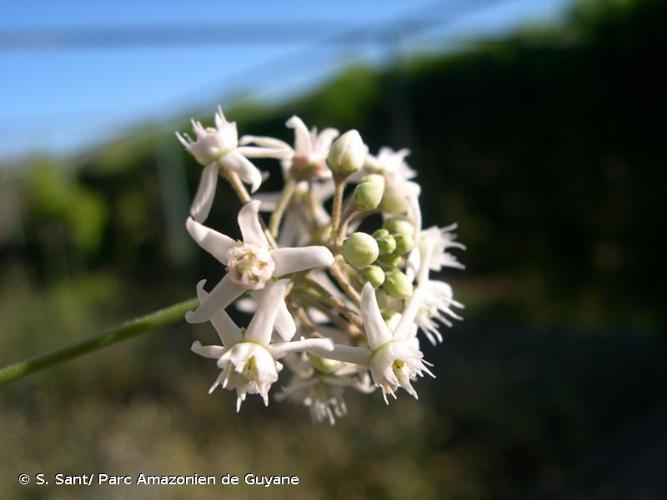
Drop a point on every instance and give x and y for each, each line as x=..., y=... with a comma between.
x=310, y=150
x=252, y=265
x=322, y=392
x=393, y=355
x=389, y=163
x=247, y=358
x=438, y=301
x=218, y=147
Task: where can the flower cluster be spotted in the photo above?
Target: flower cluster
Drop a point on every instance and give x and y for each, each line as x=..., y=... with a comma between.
x=341, y=307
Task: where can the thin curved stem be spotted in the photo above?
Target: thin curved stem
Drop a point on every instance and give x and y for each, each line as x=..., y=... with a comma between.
x=133, y=328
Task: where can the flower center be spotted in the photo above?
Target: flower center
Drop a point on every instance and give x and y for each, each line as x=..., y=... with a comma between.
x=250, y=265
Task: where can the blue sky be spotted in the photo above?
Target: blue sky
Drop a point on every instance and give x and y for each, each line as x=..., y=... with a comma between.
x=62, y=100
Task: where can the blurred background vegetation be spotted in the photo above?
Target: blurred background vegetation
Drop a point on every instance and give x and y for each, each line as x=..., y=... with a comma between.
x=547, y=147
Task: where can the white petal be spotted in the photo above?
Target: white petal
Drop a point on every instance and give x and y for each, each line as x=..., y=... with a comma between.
x=284, y=325
x=265, y=142
x=292, y=260
x=262, y=323
x=404, y=327
x=215, y=243
x=377, y=332
x=346, y=353
x=227, y=330
x=201, y=204
x=255, y=152
x=218, y=299
x=251, y=229
x=313, y=345
x=302, y=144
x=248, y=172
x=208, y=351
x=325, y=138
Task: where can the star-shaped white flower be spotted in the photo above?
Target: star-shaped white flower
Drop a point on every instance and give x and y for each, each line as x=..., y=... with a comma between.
x=321, y=389
x=430, y=254
x=392, y=355
x=309, y=154
x=252, y=265
x=247, y=358
x=389, y=163
x=218, y=147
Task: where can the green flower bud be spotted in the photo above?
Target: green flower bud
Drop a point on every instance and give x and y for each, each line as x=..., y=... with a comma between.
x=380, y=233
x=397, y=284
x=322, y=235
x=399, y=224
x=388, y=315
x=360, y=249
x=389, y=259
x=394, y=200
x=347, y=154
x=404, y=244
x=368, y=194
x=322, y=364
x=373, y=274
x=387, y=244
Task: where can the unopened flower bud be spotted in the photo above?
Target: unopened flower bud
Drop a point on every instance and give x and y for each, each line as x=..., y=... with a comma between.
x=399, y=224
x=397, y=284
x=386, y=244
x=360, y=249
x=389, y=259
x=322, y=364
x=347, y=154
x=373, y=274
x=404, y=244
x=380, y=233
x=394, y=200
x=368, y=193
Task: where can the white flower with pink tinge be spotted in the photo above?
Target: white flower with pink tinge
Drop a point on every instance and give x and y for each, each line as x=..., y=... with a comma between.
x=309, y=154
x=247, y=357
x=252, y=265
x=392, y=355
x=218, y=147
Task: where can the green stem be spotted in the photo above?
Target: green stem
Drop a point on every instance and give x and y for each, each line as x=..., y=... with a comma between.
x=127, y=330
x=284, y=200
x=337, y=209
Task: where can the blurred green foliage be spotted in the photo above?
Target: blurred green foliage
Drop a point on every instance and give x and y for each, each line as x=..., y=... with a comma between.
x=547, y=147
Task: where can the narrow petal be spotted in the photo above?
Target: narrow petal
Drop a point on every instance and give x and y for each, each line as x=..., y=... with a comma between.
x=215, y=243
x=345, y=353
x=257, y=152
x=208, y=351
x=325, y=138
x=201, y=204
x=226, y=329
x=302, y=143
x=251, y=229
x=284, y=325
x=319, y=345
x=404, y=327
x=265, y=142
x=292, y=260
x=218, y=299
x=262, y=323
x=248, y=172
x=377, y=332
